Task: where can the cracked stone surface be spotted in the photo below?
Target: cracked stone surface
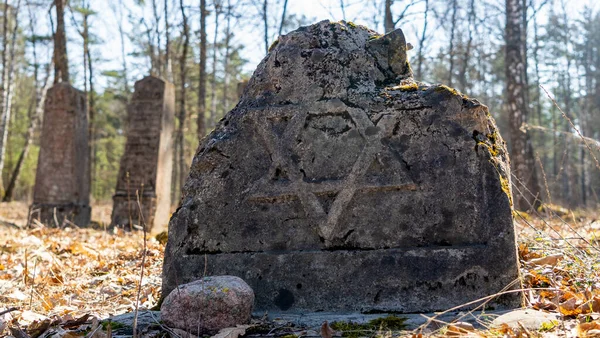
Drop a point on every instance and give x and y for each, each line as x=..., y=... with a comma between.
x=340, y=184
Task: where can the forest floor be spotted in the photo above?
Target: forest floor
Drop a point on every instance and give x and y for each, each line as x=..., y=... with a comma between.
x=61, y=282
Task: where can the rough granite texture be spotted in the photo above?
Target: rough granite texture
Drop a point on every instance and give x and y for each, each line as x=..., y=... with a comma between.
x=147, y=163
x=340, y=184
x=207, y=305
x=62, y=183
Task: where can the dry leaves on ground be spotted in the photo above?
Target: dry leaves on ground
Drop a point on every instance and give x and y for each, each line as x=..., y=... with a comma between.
x=56, y=277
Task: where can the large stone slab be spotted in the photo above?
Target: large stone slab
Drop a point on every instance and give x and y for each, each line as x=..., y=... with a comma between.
x=147, y=163
x=338, y=183
x=62, y=183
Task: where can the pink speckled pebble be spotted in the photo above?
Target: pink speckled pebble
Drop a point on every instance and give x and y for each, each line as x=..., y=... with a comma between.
x=207, y=305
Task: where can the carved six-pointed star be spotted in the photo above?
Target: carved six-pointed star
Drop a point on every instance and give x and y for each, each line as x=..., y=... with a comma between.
x=270, y=189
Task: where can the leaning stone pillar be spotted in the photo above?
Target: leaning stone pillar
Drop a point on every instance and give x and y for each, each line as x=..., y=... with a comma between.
x=146, y=165
x=62, y=184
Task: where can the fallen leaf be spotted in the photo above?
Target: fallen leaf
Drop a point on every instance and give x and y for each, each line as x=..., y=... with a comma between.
x=27, y=317
x=569, y=307
x=459, y=329
x=584, y=328
x=232, y=332
x=551, y=260
x=592, y=305
x=37, y=328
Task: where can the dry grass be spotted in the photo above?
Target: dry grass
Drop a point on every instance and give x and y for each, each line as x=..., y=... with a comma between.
x=66, y=273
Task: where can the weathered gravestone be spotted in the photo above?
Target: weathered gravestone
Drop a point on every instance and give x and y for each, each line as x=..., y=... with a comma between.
x=62, y=183
x=339, y=184
x=147, y=162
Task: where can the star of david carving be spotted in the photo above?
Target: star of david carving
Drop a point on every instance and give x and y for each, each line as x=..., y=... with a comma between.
x=343, y=189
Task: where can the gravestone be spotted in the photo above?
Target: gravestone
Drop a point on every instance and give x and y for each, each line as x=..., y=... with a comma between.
x=62, y=183
x=147, y=163
x=338, y=183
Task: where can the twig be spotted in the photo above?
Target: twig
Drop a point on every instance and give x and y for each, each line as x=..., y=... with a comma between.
x=482, y=299
x=32, y=283
x=9, y=310
x=137, y=300
x=594, y=142
x=585, y=141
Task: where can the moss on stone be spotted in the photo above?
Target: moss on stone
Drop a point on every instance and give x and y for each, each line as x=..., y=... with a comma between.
x=113, y=325
x=355, y=330
x=409, y=87
x=273, y=45
x=351, y=24
x=444, y=88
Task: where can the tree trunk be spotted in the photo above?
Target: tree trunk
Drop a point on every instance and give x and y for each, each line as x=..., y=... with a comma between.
x=225, y=100
x=61, y=61
x=265, y=24
x=283, y=13
x=213, y=84
x=123, y=54
x=451, y=47
x=420, y=57
x=8, y=93
x=91, y=104
x=182, y=114
x=40, y=99
x=522, y=160
x=388, y=20
x=4, y=59
x=159, y=66
x=168, y=67
x=201, y=124
x=467, y=55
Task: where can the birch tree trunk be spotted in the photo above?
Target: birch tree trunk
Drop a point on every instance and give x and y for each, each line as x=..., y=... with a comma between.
x=8, y=92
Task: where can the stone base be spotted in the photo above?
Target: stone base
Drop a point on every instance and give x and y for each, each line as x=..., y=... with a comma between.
x=58, y=215
x=369, y=281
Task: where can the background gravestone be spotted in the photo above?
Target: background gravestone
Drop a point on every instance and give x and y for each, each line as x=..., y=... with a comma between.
x=338, y=183
x=147, y=162
x=62, y=181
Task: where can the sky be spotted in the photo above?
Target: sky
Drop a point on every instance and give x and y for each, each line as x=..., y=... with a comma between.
x=248, y=29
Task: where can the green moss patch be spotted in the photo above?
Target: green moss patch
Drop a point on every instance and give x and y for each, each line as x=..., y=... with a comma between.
x=355, y=330
x=444, y=88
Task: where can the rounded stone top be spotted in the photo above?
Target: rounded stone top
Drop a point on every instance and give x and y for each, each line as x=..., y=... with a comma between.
x=328, y=60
